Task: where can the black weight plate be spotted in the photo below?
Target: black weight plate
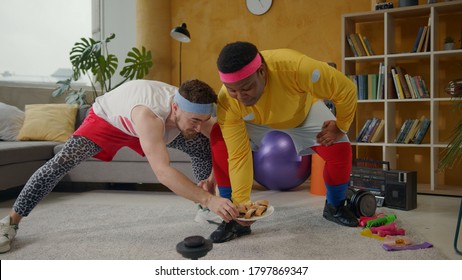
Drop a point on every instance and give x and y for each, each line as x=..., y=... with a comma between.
x=366, y=204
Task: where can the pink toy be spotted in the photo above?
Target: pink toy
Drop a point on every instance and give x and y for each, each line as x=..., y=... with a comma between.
x=364, y=219
x=399, y=231
x=388, y=227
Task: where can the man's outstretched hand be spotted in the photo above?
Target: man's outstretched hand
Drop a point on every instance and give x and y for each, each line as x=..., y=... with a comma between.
x=223, y=207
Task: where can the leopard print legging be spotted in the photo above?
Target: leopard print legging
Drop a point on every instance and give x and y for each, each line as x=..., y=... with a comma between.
x=78, y=149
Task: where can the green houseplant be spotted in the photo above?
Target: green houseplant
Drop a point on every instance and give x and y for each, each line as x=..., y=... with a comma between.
x=452, y=154
x=92, y=58
x=448, y=39
x=448, y=43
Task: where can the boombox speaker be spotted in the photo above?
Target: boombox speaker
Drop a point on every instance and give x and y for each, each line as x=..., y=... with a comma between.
x=401, y=189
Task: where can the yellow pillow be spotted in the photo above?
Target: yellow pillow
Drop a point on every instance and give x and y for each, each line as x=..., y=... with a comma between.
x=48, y=122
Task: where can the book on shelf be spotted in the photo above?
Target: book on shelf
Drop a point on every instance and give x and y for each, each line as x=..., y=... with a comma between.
x=366, y=85
x=407, y=128
x=399, y=138
x=368, y=45
x=369, y=88
x=401, y=131
x=362, y=87
x=370, y=130
x=426, y=44
x=412, y=131
x=399, y=90
x=425, y=89
x=378, y=134
x=380, y=81
x=391, y=89
x=363, y=130
x=402, y=81
x=372, y=86
x=416, y=129
x=415, y=87
x=422, y=39
x=361, y=39
x=357, y=44
x=420, y=84
x=410, y=86
x=352, y=47
x=406, y=86
x=354, y=79
x=422, y=131
x=417, y=39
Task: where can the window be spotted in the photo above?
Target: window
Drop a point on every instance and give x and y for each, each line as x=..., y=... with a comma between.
x=37, y=37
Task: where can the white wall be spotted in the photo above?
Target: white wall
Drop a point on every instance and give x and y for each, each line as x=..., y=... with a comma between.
x=119, y=17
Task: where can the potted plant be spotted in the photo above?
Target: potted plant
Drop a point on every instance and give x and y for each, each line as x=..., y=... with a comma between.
x=452, y=154
x=448, y=43
x=92, y=58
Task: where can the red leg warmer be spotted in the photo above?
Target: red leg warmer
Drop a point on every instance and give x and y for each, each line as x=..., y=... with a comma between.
x=338, y=159
x=219, y=157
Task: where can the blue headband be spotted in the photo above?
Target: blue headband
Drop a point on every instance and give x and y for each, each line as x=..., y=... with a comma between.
x=188, y=106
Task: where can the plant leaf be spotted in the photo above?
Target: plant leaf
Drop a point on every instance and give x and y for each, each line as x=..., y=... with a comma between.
x=62, y=87
x=452, y=154
x=90, y=57
x=138, y=64
x=76, y=97
x=83, y=55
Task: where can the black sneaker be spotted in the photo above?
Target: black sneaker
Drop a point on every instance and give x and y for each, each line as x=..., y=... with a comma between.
x=341, y=215
x=228, y=231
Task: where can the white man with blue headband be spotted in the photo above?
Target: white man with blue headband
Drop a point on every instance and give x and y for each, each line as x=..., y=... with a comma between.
x=146, y=116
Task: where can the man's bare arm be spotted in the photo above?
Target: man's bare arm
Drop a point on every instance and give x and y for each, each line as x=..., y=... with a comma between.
x=150, y=131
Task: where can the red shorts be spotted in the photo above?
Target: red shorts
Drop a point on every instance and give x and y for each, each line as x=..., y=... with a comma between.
x=109, y=138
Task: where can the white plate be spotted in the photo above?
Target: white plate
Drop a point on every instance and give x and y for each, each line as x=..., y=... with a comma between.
x=267, y=213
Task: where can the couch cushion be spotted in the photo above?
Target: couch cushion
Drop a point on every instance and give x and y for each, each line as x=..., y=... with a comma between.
x=127, y=154
x=11, y=122
x=48, y=122
x=25, y=151
x=82, y=114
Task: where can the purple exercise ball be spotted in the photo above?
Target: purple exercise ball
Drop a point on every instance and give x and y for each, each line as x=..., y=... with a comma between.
x=276, y=164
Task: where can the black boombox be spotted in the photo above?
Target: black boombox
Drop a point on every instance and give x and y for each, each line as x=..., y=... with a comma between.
x=391, y=188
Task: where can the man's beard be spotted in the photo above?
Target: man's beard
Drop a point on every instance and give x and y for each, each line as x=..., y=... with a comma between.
x=188, y=134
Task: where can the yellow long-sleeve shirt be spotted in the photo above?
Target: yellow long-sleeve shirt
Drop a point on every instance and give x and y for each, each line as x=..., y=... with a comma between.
x=294, y=82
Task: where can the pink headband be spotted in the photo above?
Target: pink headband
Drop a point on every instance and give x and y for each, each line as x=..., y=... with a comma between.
x=242, y=73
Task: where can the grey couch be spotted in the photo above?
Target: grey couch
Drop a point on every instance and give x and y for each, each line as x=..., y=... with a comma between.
x=20, y=159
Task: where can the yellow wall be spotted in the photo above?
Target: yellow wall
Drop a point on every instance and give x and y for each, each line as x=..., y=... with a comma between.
x=153, y=24
x=310, y=26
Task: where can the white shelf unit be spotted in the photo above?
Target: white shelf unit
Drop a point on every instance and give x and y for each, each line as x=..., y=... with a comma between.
x=392, y=33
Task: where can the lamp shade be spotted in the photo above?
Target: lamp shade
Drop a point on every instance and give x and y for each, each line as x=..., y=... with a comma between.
x=180, y=33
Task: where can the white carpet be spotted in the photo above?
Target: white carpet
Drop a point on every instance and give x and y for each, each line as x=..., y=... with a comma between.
x=147, y=226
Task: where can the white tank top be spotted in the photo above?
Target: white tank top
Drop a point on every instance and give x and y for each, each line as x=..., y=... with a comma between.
x=116, y=106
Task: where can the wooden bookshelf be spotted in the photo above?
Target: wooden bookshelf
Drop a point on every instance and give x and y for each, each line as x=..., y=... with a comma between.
x=392, y=34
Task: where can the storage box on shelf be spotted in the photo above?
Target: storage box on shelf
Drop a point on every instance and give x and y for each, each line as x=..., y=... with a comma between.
x=393, y=36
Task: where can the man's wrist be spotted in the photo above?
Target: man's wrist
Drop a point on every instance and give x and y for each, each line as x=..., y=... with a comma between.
x=207, y=199
x=343, y=131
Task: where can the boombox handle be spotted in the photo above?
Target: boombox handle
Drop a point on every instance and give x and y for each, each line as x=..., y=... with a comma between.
x=379, y=164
